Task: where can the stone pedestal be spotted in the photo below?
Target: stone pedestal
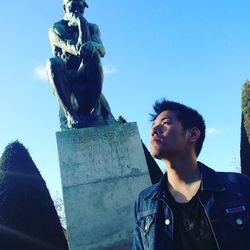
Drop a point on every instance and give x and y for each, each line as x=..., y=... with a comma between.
x=102, y=169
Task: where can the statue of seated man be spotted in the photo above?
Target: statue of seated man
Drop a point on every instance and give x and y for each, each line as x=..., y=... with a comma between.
x=75, y=72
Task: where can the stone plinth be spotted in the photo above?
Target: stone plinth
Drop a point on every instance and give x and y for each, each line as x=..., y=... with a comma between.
x=102, y=169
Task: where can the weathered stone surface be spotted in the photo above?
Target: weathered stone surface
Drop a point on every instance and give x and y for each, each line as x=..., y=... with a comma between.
x=103, y=169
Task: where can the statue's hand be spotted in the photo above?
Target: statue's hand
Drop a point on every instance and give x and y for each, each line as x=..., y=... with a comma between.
x=74, y=21
x=86, y=51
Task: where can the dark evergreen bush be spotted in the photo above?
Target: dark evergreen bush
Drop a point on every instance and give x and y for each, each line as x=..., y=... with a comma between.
x=28, y=219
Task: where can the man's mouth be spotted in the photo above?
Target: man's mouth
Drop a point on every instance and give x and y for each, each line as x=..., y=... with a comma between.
x=156, y=140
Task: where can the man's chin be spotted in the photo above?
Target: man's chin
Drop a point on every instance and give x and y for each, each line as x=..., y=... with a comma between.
x=156, y=154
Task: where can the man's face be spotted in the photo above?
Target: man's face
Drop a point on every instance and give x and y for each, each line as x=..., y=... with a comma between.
x=74, y=9
x=168, y=138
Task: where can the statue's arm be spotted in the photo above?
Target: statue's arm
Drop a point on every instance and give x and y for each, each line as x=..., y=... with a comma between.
x=96, y=39
x=57, y=38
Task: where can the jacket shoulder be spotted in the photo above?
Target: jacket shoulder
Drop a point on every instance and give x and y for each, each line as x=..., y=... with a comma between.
x=235, y=182
x=147, y=192
x=145, y=202
x=233, y=177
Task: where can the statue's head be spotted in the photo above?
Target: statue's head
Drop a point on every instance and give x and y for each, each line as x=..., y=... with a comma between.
x=74, y=8
x=83, y=2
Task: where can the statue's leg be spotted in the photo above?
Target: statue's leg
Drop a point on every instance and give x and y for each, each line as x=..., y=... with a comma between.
x=62, y=119
x=106, y=111
x=92, y=76
x=61, y=88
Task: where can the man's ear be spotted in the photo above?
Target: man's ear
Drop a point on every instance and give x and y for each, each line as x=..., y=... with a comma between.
x=64, y=8
x=195, y=134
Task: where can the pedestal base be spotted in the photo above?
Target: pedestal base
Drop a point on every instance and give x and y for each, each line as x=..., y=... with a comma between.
x=103, y=169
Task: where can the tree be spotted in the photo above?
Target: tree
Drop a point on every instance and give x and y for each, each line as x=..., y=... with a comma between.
x=245, y=129
x=28, y=218
x=59, y=206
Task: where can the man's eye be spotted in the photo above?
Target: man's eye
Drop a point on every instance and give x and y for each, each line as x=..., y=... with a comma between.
x=165, y=122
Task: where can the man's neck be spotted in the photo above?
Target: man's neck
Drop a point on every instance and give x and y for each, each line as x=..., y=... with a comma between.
x=184, y=179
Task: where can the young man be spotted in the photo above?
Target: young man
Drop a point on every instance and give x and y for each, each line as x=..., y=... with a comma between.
x=192, y=207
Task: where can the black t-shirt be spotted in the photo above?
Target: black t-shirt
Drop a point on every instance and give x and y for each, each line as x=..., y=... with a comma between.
x=192, y=230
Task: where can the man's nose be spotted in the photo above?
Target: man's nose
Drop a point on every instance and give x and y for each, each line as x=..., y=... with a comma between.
x=156, y=130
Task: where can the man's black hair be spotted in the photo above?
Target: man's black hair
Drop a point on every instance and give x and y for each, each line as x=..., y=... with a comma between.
x=188, y=117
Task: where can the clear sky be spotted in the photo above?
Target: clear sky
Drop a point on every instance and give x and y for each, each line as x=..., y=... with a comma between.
x=195, y=52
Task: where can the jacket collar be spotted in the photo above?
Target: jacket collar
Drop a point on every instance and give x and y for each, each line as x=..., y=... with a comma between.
x=209, y=179
x=209, y=182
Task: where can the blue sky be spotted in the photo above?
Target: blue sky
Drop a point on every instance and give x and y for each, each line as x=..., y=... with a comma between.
x=195, y=52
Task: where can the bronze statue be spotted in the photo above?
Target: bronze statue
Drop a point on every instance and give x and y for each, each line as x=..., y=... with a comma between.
x=75, y=72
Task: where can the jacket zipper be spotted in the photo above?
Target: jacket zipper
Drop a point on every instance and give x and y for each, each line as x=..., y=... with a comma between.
x=209, y=223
